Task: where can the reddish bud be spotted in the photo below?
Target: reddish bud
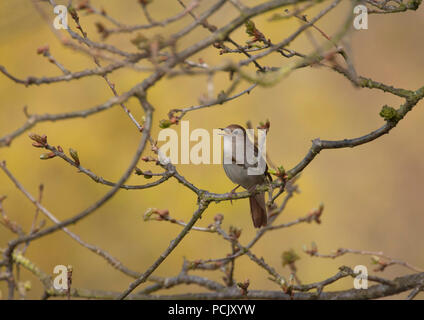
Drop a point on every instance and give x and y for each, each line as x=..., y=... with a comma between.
x=46, y=156
x=163, y=213
x=43, y=49
x=39, y=139
x=83, y=5
x=37, y=145
x=219, y=217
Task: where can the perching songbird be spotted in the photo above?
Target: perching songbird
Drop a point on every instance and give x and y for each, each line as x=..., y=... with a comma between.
x=239, y=172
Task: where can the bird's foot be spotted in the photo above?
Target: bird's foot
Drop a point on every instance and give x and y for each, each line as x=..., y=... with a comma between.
x=232, y=193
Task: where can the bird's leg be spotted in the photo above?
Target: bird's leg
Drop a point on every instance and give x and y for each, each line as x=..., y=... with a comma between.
x=233, y=193
x=252, y=188
x=234, y=190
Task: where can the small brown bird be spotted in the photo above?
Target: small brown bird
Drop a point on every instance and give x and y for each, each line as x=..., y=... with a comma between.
x=239, y=173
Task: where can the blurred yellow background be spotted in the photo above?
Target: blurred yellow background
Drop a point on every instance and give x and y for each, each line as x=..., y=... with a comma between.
x=372, y=193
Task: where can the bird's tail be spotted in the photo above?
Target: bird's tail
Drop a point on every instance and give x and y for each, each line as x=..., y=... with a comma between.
x=258, y=210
